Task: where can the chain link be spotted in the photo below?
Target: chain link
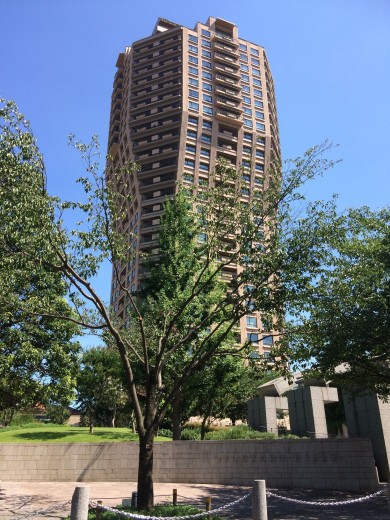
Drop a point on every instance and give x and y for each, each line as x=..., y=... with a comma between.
x=41, y=512
x=187, y=517
x=327, y=504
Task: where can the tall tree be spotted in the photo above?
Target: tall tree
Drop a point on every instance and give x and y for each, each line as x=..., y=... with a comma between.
x=38, y=358
x=99, y=385
x=341, y=333
x=175, y=330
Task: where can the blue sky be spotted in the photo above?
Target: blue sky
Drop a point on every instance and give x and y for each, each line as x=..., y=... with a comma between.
x=330, y=61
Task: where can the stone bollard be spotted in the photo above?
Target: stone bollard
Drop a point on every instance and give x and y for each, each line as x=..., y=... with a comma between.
x=174, y=498
x=208, y=503
x=259, y=501
x=80, y=503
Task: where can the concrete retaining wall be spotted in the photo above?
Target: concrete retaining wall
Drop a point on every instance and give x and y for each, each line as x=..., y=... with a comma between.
x=338, y=464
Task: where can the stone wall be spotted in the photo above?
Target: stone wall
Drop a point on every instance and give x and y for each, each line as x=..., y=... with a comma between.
x=338, y=464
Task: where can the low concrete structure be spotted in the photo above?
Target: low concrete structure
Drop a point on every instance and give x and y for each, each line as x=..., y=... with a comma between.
x=306, y=406
x=263, y=412
x=368, y=416
x=333, y=464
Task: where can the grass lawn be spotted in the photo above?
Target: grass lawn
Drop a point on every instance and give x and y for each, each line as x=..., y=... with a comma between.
x=59, y=433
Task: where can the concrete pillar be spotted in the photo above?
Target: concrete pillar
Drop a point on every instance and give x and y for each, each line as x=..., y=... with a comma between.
x=259, y=500
x=80, y=504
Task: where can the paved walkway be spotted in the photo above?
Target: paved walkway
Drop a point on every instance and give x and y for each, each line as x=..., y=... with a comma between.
x=23, y=498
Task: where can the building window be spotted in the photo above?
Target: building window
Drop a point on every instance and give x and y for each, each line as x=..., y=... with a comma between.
x=248, y=122
x=205, y=43
x=193, y=70
x=244, y=68
x=259, y=115
x=207, y=86
x=255, y=72
x=260, y=126
x=246, y=88
x=259, y=167
x=189, y=162
x=192, y=120
x=261, y=140
x=205, y=152
x=206, y=33
x=246, y=164
x=247, y=149
x=193, y=93
x=244, y=77
x=268, y=340
x=190, y=148
x=192, y=38
x=257, y=82
x=206, y=54
x=193, y=81
x=251, y=321
x=188, y=178
x=243, y=57
x=246, y=178
x=205, y=139
x=193, y=59
x=245, y=192
x=192, y=48
x=259, y=181
x=252, y=337
x=254, y=52
x=191, y=133
x=207, y=124
x=247, y=111
x=206, y=64
x=243, y=47
x=258, y=103
x=260, y=153
x=246, y=99
x=208, y=111
x=257, y=92
x=193, y=105
x=204, y=167
x=255, y=61
x=206, y=75
x=247, y=137
x=207, y=98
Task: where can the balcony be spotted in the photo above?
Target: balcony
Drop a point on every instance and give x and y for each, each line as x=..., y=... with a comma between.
x=224, y=102
x=230, y=71
x=218, y=46
x=224, y=58
x=220, y=78
x=229, y=117
x=235, y=94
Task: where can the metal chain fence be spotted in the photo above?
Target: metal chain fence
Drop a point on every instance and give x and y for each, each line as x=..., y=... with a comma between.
x=327, y=504
x=135, y=516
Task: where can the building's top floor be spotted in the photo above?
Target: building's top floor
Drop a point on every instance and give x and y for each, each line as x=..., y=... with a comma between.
x=221, y=27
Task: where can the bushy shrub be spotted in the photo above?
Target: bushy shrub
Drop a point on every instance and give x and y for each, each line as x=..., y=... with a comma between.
x=190, y=434
x=238, y=432
x=165, y=432
x=23, y=419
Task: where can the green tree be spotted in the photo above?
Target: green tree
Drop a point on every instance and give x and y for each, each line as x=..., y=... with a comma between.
x=341, y=333
x=222, y=389
x=175, y=331
x=38, y=359
x=100, y=391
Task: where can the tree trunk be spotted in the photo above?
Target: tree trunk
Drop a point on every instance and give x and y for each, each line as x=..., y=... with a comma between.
x=145, y=472
x=176, y=417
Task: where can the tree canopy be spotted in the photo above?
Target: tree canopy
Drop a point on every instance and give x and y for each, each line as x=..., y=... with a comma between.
x=38, y=358
x=341, y=331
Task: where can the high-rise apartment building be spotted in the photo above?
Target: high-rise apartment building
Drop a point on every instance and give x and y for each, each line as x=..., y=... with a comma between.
x=182, y=98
